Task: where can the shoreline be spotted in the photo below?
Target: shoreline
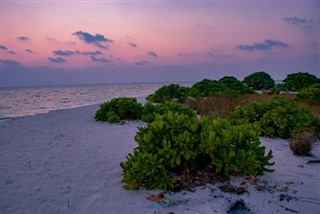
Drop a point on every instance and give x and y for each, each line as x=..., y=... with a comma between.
x=66, y=162
x=140, y=99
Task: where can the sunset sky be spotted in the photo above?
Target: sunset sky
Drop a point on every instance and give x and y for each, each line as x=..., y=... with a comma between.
x=88, y=42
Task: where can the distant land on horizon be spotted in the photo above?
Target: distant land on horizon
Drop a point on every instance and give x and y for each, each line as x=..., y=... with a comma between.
x=120, y=83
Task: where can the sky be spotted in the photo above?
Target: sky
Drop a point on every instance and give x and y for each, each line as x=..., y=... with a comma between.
x=93, y=42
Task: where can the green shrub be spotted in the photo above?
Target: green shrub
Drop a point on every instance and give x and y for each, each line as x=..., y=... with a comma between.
x=259, y=81
x=310, y=94
x=301, y=143
x=119, y=108
x=298, y=81
x=176, y=144
x=150, y=110
x=172, y=92
x=226, y=86
x=234, y=86
x=276, y=117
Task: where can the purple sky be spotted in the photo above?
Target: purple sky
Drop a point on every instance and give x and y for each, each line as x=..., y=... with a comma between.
x=79, y=42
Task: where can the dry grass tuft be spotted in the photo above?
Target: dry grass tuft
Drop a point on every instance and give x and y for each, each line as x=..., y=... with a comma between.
x=301, y=143
x=221, y=106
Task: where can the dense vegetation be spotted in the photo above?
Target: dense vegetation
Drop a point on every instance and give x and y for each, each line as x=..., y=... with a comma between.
x=222, y=106
x=175, y=147
x=298, y=81
x=226, y=86
x=150, y=110
x=276, y=117
x=118, y=109
x=125, y=108
x=310, y=94
x=172, y=92
x=259, y=81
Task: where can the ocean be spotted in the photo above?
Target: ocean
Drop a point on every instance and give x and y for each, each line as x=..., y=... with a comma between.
x=17, y=102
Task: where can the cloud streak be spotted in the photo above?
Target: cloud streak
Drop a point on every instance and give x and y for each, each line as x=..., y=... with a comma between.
x=57, y=60
x=10, y=62
x=70, y=53
x=133, y=45
x=266, y=45
x=152, y=53
x=29, y=50
x=93, y=53
x=141, y=63
x=102, y=60
x=63, y=53
x=12, y=52
x=8, y=51
x=3, y=47
x=189, y=54
x=23, y=38
x=93, y=39
x=298, y=21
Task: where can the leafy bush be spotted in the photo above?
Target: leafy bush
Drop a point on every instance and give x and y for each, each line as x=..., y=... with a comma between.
x=169, y=93
x=276, y=117
x=259, y=80
x=204, y=88
x=119, y=108
x=150, y=110
x=298, y=81
x=235, y=86
x=229, y=86
x=301, y=143
x=310, y=94
x=176, y=146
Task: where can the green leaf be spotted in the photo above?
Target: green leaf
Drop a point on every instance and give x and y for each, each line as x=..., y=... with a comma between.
x=178, y=160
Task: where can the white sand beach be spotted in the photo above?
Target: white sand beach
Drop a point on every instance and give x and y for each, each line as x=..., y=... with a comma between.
x=65, y=162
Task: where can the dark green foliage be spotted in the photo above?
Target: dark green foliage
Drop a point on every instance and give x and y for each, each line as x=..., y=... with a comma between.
x=298, y=81
x=301, y=143
x=169, y=93
x=127, y=108
x=119, y=108
x=233, y=85
x=150, y=110
x=205, y=88
x=276, y=117
x=310, y=94
x=259, y=81
x=176, y=144
x=229, y=86
x=228, y=80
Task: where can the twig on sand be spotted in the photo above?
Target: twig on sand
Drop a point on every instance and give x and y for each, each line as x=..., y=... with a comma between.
x=290, y=210
x=68, y=203
x=313, y=161
x=29, y=164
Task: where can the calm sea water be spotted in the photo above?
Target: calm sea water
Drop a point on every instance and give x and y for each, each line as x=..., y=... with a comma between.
x=16, y=102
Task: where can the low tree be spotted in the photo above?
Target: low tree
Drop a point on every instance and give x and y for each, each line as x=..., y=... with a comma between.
x=298, y=81
x=233, y=85
x=259, y=80
x=169, y=93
